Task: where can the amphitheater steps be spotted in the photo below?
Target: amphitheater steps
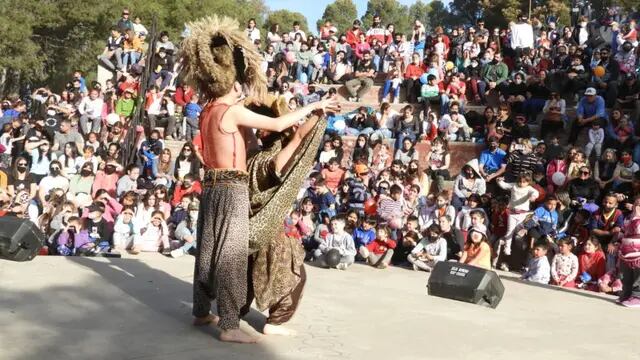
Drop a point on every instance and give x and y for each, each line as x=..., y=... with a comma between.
x=174, y=146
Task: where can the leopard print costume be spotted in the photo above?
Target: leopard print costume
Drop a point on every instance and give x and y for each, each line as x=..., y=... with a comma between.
x=277, y=260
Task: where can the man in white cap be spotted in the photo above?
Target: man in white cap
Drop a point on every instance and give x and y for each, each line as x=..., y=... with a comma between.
x=590, y=108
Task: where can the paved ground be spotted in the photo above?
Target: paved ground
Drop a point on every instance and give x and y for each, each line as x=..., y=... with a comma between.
x=139, y=308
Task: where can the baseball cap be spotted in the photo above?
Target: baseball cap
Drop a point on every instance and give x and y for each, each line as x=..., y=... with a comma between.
x=590, y=91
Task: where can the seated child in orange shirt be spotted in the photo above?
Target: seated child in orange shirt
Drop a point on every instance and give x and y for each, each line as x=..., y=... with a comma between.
x=477, y=251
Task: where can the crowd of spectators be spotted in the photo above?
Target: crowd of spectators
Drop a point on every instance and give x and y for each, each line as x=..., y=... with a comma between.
x=554, y=107
x=64, y=164
x=559, y=208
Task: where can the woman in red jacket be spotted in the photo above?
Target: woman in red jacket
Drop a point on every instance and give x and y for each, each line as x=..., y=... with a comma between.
x=412, y=78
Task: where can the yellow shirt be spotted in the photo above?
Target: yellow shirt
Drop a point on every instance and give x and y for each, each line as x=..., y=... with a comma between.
x=3, y=180
x=134, y=44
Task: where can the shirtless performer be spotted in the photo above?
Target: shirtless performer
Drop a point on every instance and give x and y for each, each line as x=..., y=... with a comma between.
x=222, y=63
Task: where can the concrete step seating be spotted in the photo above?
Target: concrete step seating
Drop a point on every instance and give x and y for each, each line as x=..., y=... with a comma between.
x=461, y=152
x=373, y=95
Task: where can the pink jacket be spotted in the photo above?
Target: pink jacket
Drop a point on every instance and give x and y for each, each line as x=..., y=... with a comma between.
x=629, y=250
x=554, y=167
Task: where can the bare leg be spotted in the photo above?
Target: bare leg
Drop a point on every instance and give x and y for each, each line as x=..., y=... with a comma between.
x=237, y=336
x=209, y=319
x=271, y=329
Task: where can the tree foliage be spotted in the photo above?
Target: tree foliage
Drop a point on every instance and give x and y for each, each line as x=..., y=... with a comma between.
x=466, y=11
x=391, y=12
x=43, y=41
x=341, y=13
x=439, y=15
x=285, y=19
x=419, y=10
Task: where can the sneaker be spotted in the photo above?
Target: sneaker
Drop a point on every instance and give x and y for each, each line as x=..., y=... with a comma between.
x=352, y=99
x=396, y=101
x=341, y=266
x=632, y=302
x=415, y=267
x=177, y=253
x=504, y=267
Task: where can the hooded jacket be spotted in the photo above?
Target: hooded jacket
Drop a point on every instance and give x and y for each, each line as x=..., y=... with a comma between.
x=479, y=186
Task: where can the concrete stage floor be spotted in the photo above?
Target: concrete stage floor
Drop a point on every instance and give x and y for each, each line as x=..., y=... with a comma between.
x=139, y=308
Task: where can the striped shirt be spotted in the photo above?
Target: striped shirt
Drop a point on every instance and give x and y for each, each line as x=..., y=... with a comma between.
x=519, y=164
x=389, y=208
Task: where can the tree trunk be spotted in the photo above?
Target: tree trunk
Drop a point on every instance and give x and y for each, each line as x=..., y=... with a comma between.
x=3, y=79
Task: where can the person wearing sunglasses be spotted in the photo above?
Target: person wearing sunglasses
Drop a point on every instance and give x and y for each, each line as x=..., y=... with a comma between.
x=584, y=186
x=187, y=162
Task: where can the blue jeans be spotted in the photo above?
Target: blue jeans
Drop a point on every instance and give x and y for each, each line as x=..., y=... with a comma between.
x=129, y=58
x=164, y=74
x=381, y=134
x=304, y=69
x=355, y=132
x=402, y=135
x=188, y=246
x=532, y=107
x=636, y=153
x=388, y=86
x=376, y=62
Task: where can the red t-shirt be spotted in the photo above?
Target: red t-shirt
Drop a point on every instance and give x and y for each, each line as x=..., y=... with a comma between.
x=332, y=178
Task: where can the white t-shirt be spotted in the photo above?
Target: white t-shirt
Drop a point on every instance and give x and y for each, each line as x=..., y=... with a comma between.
x=58, y=182
x=253, y=34
x=521, y=36
x=391, y=119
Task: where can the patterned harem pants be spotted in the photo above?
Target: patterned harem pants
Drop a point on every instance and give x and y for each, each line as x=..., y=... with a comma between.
x=223, y=245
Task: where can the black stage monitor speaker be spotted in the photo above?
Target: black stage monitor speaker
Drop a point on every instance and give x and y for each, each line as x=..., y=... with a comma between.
x=465, y=283
x=20, y=239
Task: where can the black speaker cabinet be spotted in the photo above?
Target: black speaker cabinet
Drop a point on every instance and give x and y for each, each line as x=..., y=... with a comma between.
x=20, y=239
x=465, y=283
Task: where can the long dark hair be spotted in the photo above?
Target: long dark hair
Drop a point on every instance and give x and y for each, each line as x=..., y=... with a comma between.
x=14, y=168
x=145, y=200
x=192, y=157
x=41, y=155
x=74, y=152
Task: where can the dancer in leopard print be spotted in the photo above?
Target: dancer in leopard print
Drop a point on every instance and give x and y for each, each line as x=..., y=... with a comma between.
x=223, y=63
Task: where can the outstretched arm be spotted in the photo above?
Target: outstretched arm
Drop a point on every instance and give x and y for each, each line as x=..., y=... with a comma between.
x=242, y=116
x=282, y=158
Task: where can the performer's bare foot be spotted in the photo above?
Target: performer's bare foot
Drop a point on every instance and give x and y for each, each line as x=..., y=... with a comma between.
x=270, y=329
x=237, y=336
x=206, y=320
